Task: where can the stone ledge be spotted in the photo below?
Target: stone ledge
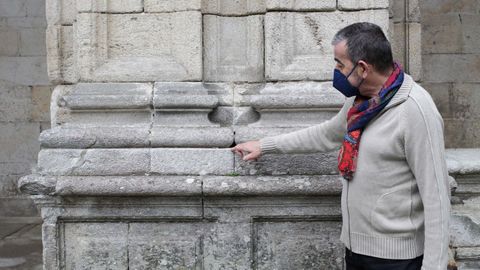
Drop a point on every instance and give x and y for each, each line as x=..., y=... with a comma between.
x=272, y=185
x=463, y=161
x=181, y=185
x=129, y=186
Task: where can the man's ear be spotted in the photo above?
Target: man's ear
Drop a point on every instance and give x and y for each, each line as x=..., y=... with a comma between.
x=363, y=68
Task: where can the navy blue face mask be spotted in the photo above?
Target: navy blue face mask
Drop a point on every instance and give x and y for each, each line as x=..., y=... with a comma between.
x=341, y=83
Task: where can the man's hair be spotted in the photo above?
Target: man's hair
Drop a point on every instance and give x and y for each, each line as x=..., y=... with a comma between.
x=367, y=42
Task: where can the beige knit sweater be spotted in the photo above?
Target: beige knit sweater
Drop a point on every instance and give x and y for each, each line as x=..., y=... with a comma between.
x=397, y=205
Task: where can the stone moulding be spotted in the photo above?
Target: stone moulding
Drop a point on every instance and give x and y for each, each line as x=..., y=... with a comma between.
x=287, y=106
x=115, y=115
x=169, y=185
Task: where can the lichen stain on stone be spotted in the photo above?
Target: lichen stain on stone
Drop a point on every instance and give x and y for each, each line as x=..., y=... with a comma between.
x=314, y=29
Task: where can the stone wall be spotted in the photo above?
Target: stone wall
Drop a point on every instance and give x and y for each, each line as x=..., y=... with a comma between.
x=24, y=98
x=451, y=55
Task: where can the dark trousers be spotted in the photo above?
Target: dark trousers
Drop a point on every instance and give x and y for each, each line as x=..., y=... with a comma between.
x=356, y=261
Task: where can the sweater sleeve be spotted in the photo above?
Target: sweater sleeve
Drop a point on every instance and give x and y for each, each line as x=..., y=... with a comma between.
x=319, y=138
x=425, y=154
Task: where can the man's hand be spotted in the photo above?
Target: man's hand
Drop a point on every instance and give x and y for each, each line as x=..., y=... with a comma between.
x=248, y=151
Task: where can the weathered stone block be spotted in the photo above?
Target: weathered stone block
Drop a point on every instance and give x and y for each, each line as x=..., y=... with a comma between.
x=446, y=6
x=9, y=43
x=33, y=42
x=450, y=68
x=297, y=244
x=442, y=33
x=17, y=207
x=60, y=12
x=233, y=7
x=465, y=100
x=301, y=5
x=94, y=161
x=107, y=96
x=35, y=8
x=19, y=142
x=463, y=161
x=272, y=185
x=60, y=54
x=292, y=164
x=462, y=133
x=15, y=102
x=98, y=137
x=191, y=161
x=13, y=8
x=140, y=47
x=128, y=186
x=440, y=93
x=471, y=35
x=95, y=245
x=361, y=4
x=233, y=48
x=179, y=245
x=109, y=6
x=191, y=136
x=170, y=6
x=298, y=45
x=41, y=103
x=8, y=185
x=19, y=23
x=28, y=70
x=100, y=104
x=415, y=50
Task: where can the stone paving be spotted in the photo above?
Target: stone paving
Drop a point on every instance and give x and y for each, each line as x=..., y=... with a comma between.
x=20, y=243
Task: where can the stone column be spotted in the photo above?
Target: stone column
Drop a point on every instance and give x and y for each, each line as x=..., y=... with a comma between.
x=136, y=173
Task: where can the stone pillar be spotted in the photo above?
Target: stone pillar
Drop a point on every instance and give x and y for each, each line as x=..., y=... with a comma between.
x=136, y=173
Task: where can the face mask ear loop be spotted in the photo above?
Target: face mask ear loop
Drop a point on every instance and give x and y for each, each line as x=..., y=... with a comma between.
x=354, y=67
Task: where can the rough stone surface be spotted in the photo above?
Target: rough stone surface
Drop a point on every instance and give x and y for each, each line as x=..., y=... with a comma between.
x=307, y=54
x=60, y=57
x=191, y=161
x=451, y=67
x=109, y=6
x=191, y=137
x=302, y=5
x=91, y=96
x=293, y=164
x=94, y=161
x=129, y=186
x=27, y=70
x=141, y=47
x=19, y=142
x=98, y=137
x=463, y=161
x=15, y=102
x=9, y=45
x=361, y=4
x=60, y=12
x=271, y=185
x=170, y=6
x=233, y=48
x=233, y=7
x=95, y=245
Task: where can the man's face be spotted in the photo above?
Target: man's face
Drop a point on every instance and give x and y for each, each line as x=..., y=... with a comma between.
x=344, y=64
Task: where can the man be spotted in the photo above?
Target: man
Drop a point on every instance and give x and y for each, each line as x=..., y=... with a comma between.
x=395, y=197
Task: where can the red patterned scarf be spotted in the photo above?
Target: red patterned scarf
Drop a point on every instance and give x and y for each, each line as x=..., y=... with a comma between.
x=359, y=116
